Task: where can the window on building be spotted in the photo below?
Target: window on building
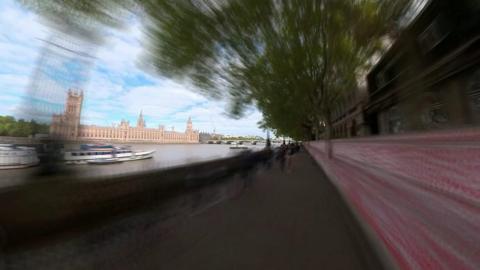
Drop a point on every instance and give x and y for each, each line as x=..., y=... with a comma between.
x=474, y=97
x=381, y=79
x=395, y=121
x=435, y=115
x=437, y=31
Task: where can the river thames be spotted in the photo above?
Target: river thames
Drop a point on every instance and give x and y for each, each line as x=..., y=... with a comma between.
x=166, y=155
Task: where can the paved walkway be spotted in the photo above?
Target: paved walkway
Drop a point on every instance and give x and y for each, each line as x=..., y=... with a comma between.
x=293, y=220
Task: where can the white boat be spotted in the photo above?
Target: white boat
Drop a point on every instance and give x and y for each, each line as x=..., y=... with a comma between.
x=104, y=161
x=104, y=154
x=236, y=146
x=15, y=157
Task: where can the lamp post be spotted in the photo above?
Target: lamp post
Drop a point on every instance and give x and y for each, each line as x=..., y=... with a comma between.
x=268, y=143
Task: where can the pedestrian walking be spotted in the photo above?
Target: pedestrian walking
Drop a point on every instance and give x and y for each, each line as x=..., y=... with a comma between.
x=281, y=156
x=290, y=151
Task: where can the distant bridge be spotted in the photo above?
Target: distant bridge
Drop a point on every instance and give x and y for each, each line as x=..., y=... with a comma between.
x=253, y=142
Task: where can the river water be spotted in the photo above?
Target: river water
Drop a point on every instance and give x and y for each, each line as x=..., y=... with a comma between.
x=166, y=155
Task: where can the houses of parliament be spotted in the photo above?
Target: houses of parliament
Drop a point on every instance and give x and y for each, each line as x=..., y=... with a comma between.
x=67, y=126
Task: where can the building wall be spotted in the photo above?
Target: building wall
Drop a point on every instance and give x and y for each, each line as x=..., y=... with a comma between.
x=67, y=126
x=428, y=79
x=134, y=134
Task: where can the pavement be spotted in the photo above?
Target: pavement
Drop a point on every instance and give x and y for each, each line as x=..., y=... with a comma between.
x=292, y=219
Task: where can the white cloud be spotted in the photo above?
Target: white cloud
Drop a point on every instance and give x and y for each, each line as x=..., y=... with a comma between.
x=19, y=25
x=211, y=115
x=20, y=35
x=116, y=89
x=121, y=50
x=159, y=100
x=101, y=87
x=13, y=81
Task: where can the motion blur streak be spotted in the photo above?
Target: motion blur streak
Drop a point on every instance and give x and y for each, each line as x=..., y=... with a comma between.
x=419, y=193
x=402, y=74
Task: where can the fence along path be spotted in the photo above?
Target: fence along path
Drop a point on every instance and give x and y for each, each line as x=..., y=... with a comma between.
x=419, y=194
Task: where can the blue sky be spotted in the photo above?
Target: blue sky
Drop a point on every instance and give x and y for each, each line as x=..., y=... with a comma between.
x=115, y=87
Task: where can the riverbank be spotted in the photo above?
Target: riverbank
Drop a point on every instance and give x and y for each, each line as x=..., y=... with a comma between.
x=19, y=140
x=165, y=156
x=49, y=206
x=268, y=220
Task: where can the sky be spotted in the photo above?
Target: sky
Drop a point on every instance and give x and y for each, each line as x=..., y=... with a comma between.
x=114, y=86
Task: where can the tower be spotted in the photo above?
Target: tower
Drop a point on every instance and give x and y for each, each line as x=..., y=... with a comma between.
x=189, y=125
x=73, y=111
x=141, y=121
x=66, y=125
x=73, y=108
x=192, y=135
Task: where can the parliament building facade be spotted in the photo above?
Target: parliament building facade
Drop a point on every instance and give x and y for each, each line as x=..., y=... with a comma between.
x=67, y=126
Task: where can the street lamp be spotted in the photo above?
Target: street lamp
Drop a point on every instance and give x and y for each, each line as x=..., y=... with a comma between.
x=268, y=144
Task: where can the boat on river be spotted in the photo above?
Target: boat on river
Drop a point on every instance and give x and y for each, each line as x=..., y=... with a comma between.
x=104, y=161
x=102, y=154
x=236, y=146
x=15, y=157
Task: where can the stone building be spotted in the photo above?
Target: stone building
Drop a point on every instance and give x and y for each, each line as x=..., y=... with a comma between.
x=67, y=126
x=429, y=79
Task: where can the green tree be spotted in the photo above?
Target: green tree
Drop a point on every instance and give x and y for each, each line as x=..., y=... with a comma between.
x=21, y=128
x=86, y=19
x=294, y=60
x=6, y=124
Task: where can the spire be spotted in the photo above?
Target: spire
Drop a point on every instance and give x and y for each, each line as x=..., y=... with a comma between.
x=189, y=124
x=141, y=121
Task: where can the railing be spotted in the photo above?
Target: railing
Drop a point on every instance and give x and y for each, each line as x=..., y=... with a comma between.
x=419, y=194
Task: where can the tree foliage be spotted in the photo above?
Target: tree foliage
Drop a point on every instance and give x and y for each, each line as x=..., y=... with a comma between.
x=292, y=59
x=20, y=128
x=84, y=19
